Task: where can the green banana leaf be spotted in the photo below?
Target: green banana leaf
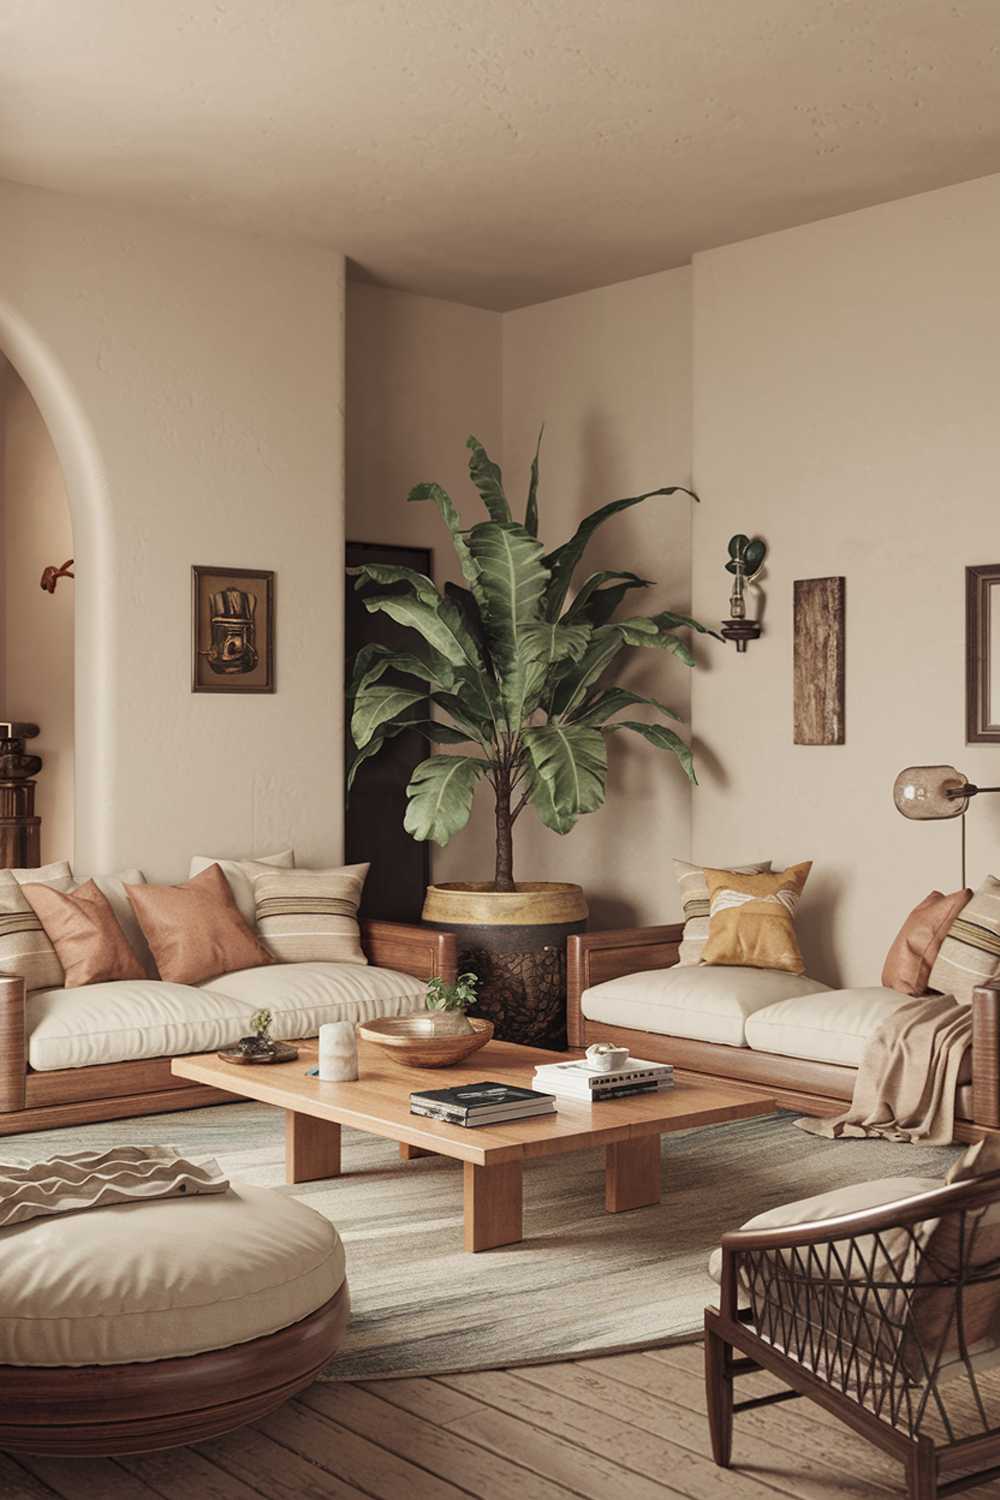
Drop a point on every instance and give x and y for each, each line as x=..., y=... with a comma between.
x=562, y=562
x=610, y=700
x=663, y=739
x=439, y=796
x=569, y=768
x=531, y=509
x=486, y=476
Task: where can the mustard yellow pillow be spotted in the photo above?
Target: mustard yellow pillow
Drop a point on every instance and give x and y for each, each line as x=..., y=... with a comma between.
x=751, y=919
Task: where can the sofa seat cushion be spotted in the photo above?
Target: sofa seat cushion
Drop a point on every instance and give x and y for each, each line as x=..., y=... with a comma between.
x=128, y=1019
x=834, y=1029
x=163, y=1278
x=702, y=1003
x=303, y=997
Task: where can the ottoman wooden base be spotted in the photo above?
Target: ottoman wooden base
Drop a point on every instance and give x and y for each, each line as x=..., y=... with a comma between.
x=135, y=1408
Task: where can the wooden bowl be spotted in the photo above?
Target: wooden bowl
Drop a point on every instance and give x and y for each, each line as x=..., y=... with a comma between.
x=412, y=1040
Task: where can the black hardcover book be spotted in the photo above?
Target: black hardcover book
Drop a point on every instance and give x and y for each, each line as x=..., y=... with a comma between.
x=469, y=1097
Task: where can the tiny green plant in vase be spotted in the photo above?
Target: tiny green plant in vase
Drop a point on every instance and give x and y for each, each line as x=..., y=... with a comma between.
x=449, y=1002
x=258, y=1043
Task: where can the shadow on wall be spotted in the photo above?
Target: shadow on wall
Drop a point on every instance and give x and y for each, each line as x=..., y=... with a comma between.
x=817, y=926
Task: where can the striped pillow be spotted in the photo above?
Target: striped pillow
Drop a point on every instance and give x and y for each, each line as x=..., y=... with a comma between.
x=24, y=947
x=311, y=916
x=694, y=899
x=970, y=954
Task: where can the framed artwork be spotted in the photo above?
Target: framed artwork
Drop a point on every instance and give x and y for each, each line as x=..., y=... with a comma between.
x=232, y=630
x=982, y=655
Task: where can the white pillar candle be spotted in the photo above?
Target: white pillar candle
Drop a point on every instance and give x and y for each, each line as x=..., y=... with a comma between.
x=338, y=1052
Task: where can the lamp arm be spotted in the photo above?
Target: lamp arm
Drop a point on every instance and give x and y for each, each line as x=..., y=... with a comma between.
x=968, y=790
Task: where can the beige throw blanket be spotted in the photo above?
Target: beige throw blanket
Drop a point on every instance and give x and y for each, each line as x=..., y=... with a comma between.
x=92, y=1179
x=906, y=1084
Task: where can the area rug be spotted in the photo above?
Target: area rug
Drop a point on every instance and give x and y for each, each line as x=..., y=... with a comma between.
x=581, y=1282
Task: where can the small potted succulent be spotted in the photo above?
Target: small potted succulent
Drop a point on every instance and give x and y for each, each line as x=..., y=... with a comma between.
x=450, y=1002
x=259, y=1043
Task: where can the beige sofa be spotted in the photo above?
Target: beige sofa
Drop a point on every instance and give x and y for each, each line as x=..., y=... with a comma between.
x=790, y=1037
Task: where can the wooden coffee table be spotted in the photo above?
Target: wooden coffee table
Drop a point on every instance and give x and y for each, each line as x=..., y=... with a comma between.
x=493, y=1155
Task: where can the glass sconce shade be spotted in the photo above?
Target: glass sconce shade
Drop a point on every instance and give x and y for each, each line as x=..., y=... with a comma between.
x=930, y=792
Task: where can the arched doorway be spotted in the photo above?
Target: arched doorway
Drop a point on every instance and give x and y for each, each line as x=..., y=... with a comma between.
x=36, y=624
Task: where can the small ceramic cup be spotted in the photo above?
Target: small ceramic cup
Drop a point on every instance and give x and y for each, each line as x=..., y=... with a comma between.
x=604, y=1057
x=338, y=1052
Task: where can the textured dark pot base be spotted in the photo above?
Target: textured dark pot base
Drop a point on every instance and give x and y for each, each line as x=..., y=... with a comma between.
x=522, y=977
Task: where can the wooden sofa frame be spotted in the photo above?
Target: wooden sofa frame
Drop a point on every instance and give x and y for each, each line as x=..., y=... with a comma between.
x=816, y=1088
x=112, y=1091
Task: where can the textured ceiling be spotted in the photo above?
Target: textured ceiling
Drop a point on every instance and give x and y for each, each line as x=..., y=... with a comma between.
x=501, y=152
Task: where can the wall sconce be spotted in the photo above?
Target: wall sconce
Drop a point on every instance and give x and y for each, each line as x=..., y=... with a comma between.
x=746, y=559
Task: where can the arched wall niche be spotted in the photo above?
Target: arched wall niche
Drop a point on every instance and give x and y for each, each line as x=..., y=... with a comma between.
x=86, y=490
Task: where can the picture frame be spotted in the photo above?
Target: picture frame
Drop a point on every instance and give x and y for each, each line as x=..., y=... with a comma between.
x=232, y=630
x=982, y=655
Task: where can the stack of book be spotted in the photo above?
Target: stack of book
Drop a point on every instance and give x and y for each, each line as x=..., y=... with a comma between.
x=481, y=1103
x=575, y=1080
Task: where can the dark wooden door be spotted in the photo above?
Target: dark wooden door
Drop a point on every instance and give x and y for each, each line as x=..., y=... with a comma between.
x=400, y=867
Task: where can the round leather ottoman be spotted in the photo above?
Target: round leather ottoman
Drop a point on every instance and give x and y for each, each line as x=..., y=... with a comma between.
x=147, y=1325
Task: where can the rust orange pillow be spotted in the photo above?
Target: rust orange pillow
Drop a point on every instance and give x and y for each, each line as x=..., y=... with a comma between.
x=195, y=931
x=751, y=919
x=911, y=958
x=85, y=933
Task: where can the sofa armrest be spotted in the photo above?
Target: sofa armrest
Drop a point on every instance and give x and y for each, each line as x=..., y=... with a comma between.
x=593, y=957
x=13, y=1043
x=410, y=948
x=986, y=1055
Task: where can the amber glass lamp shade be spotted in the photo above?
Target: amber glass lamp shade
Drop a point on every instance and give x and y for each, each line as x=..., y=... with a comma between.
x=930, y=792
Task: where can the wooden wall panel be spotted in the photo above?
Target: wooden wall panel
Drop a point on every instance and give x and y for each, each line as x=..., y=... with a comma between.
x=819, y=661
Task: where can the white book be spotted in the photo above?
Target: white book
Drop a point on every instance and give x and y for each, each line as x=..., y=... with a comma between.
x=566, y=1090
x=634, y=1071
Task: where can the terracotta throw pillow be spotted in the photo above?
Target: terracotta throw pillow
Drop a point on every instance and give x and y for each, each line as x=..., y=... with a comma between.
x=195, y=930
x=83, y=929
x=750, y=921
x=909, y=961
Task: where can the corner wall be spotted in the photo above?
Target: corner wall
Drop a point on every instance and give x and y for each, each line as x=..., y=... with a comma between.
x=846, y=407
x=192, y=381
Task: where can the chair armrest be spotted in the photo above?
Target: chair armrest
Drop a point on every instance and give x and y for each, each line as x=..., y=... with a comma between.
x=13, y=1043
x=593, y=957
x=410, y=948
x=986, y=1055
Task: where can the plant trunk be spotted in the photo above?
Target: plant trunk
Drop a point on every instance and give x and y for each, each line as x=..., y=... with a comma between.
x=504, y=877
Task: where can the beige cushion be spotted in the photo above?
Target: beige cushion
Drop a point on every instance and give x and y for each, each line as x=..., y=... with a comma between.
x=970, y=953
x=834, y=1029
x=304, y=997
x=311, y=916
x=705, y=1004
x=846, y=1200
x=144, y=1281
x=24, y=947
x=241, y=872
x=105, y=1023
x=128, y=1019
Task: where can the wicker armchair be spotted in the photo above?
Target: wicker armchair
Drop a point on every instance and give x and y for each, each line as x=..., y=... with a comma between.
x=886, y=1318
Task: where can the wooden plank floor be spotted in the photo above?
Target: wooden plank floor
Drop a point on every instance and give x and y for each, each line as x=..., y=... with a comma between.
x=629, y=1426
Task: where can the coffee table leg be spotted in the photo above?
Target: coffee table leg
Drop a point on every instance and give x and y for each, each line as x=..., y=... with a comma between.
x=632, y=1174
x=410, y=1153
x=312, y=1147
x=492, y=1205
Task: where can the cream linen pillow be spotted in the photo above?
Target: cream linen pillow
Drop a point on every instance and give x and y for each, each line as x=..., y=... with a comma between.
x=311, y=916
x=970, y=953
x=24, y=947
x=694, y=900
x=240, y=874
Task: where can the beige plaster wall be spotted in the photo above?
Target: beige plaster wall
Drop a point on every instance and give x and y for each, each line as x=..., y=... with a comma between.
x=192, y=381
x=846, y=401
x=37, y=626
x=609, y=372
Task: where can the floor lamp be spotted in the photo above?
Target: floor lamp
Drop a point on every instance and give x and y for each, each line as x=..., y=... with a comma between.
x=933, y=792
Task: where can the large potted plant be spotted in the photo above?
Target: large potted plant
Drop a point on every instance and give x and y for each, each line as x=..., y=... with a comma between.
x=516, y=666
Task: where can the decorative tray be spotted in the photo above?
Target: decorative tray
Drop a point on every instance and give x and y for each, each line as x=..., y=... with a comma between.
x=282, y=1053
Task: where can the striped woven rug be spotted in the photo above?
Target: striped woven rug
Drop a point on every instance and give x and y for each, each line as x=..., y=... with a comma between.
x=581, y=1282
